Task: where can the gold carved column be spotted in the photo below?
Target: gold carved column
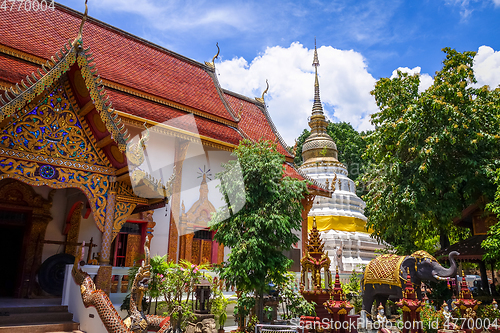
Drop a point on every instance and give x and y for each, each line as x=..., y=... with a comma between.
x=103, y=278
x=181, y=148
x=307, y=204
x=74, y=220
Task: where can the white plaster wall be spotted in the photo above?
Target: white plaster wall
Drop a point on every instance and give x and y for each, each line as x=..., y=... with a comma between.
x=159, y=243
x=88, y=229
x=55, y=227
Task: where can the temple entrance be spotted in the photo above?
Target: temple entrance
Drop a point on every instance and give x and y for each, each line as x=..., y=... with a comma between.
x=12, y=234
x=128, y=244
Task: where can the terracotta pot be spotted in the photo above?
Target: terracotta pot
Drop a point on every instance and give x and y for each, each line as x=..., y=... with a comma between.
x=220, y=330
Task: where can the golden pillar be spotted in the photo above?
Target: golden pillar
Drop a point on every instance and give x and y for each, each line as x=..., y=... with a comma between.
x=103, y=278
x=181, y=148
x=307, y=204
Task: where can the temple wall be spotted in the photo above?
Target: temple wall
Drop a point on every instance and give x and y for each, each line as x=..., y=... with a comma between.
x=54, y=228
x=159, y=243
x=89, y=229
x=63, y=200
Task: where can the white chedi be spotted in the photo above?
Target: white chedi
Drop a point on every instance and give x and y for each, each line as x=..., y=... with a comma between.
x=347, y=249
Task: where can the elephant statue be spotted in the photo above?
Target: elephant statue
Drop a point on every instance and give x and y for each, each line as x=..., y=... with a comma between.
x=386, y=275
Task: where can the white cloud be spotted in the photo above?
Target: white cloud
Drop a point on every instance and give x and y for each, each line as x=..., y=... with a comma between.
x=425, y=79
x=183, y=15
x=345, y=85
x=496, y=3
x=465, y=7
x=487, y=66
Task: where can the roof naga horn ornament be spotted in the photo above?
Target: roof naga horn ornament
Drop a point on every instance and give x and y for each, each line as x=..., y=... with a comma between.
x=240, y=111
x=212, y=64
x=84, y=18
x=261, y=99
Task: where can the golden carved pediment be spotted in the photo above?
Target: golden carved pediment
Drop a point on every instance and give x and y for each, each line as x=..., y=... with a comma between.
x=49, y=127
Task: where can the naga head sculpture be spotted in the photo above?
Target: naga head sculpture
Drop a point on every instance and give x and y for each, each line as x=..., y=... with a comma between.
x=141, y=280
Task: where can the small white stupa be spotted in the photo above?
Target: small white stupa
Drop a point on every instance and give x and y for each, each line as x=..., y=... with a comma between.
x=340, y=219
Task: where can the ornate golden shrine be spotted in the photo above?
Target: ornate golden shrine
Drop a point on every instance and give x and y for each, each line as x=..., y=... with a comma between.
x=314, y=261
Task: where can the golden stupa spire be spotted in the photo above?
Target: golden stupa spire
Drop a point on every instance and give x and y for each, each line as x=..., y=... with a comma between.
x=319, y=146
x=317, y=107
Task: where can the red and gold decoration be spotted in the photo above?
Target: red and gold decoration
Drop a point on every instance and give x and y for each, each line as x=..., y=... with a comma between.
x=467, y=306
x=312, y=263
x=411, y=307
x=338, y=307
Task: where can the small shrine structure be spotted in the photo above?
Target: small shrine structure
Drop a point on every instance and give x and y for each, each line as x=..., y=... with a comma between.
x=314, y=261
x=467, y=306
x=338, y=307
x=411, y=306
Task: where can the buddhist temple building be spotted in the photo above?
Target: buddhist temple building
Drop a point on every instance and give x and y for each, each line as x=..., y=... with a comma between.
x=340, y=219
x=110, y=139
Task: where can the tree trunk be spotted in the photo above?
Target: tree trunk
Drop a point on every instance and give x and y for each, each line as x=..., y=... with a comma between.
x=260, y=308
x=444, y=240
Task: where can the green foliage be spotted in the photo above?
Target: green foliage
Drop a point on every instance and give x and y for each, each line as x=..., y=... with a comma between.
x=351, y=146
x=264, y=227
x=219, y=304
x=433, y=152
x=492, y=243
x=488, y=311
x=251, y=325
x=352, y=289
x=428, y=316
x=244, y=305
x=298, y=149
x=175, y=283
x=293, y=303
x=439, y=293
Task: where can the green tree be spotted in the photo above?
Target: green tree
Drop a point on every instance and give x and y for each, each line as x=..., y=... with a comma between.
x=263, y=228
x=492, y=243
x=433, y=152
x=298, y=148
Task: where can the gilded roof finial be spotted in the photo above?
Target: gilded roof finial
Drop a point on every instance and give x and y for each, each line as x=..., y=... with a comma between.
x=314, y=222
x=84, y=18
x=240, y=111
x=261, y=99
x=212, y=64
x=319, y=145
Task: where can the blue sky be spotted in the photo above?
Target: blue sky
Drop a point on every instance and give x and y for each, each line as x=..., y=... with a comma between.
x=359, y=42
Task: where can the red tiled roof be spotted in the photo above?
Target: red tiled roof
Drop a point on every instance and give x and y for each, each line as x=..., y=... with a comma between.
x=13, y=71
x=120, y=57
x=254, y=122
x=160, y=113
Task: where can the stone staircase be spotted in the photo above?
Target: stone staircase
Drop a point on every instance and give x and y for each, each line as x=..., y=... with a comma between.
x=37, y=319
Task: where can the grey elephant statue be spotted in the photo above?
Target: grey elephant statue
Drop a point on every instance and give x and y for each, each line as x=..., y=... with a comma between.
x=386, y=275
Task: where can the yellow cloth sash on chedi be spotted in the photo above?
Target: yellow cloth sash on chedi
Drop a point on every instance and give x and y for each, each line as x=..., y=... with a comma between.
x=384, y=270
x=339, y=223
